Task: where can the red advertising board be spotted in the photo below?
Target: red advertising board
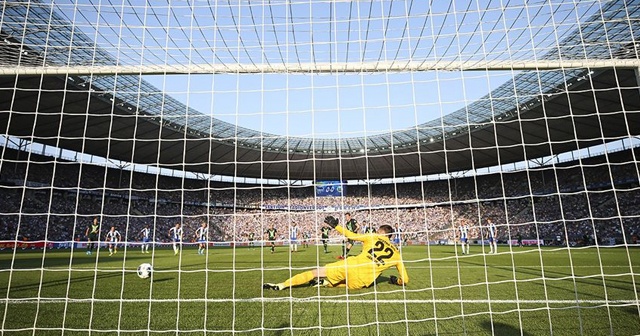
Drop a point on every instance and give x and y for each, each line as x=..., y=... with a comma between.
x=9, y=244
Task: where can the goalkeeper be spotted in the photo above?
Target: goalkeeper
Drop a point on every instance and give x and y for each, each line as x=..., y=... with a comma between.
x=361, y=271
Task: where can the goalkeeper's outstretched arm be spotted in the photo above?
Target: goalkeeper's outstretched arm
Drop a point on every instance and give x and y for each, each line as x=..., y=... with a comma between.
x=333, y=222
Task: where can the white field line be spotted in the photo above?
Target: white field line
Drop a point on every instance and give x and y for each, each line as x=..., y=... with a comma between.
x=330, y=300
x=244, y=268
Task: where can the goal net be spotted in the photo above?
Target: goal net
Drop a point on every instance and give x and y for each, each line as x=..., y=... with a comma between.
x=164, y=166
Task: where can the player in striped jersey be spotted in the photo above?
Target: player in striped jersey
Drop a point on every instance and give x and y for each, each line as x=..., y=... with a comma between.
x=113, y=237
x=463, y=231
x=176, y=234
x=293, y=237
x=145, y=233
x=202, y=235
x=492, y=233
x=397, y=236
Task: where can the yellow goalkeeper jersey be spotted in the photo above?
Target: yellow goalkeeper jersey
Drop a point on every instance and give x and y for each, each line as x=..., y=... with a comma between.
x=378, y=254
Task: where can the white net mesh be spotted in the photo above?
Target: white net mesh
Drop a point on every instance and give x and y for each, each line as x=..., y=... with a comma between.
x=437, y=118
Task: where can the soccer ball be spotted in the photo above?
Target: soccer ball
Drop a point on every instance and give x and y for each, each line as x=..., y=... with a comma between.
x=144, y=270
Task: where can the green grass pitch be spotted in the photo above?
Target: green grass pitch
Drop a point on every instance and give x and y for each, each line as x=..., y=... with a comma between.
x=587, y=291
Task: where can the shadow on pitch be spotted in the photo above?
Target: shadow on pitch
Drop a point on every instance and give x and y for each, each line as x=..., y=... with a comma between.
x=610, y=282
x=158, y=280
x=63, y=282
x=499, y=328
x=283, y=329
x=633, y=310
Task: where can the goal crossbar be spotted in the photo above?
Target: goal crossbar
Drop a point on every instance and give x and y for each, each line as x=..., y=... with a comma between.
x=318, y=67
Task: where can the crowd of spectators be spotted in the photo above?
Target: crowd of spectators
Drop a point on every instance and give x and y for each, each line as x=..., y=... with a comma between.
x=582, y=202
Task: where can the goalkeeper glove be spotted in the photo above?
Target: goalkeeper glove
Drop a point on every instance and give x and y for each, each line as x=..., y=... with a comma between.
x=395, y=281
x=331, y=221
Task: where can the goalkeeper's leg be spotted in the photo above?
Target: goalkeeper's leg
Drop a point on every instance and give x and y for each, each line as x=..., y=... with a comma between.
x=298, y=279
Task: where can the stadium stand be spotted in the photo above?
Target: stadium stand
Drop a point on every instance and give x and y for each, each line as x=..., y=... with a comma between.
x=581, y=208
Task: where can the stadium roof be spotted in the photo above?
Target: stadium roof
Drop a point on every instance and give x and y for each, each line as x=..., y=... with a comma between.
x=536, y=114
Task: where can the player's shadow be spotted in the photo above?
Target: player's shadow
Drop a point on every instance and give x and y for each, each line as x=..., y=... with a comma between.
x=283, y=329
x=499, y=328
x=157, y=280
x=631, y=310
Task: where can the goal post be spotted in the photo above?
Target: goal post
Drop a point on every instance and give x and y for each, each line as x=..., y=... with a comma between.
x=167, y=168
x=319, y=68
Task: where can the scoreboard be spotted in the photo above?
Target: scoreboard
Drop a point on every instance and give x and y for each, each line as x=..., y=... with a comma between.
x=330, y=188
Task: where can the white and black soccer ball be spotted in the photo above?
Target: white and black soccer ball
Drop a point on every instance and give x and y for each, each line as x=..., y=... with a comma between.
x=145, y=270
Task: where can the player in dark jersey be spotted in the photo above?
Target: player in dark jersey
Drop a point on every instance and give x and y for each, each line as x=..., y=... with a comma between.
x=352, y=225
x=92, y=233
x=271, y=235
x=252, y=238
x=368, y=228
x=305, y=239
x=325, y=237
